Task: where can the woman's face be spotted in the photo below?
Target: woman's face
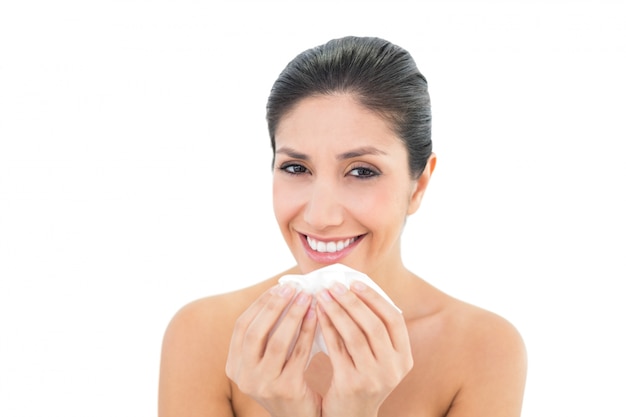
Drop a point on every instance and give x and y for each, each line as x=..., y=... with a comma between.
x=342, y=187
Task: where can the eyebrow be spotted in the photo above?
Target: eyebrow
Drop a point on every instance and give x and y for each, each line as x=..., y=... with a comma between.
x=292, y=153
x=355, y=153
x=365, y=150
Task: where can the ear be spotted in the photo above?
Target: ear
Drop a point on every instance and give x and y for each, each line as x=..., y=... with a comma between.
x=419, y=187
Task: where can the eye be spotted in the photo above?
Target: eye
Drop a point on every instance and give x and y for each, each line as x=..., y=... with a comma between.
x=363, y=172
x=294, y=169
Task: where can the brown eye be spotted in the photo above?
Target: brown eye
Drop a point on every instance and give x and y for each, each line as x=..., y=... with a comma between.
x=294, y=169
x=362, y=172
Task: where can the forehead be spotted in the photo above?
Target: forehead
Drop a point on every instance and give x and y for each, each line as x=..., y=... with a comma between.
x=334, y=121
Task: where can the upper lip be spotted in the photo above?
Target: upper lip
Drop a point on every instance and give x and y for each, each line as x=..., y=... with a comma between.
x=328, y=239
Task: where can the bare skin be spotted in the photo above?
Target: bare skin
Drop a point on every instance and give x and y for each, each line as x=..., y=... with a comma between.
x=342, y=182
x=467, y=361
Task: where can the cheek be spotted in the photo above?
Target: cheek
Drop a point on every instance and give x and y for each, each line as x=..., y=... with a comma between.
x=378, y=206
x=285, y=201
x=369, y=205
x=278, y=202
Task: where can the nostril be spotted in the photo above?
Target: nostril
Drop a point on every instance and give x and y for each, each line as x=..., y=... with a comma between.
x=321, y=213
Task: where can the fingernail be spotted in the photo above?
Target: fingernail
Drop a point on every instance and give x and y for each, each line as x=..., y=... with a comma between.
x=303, y=298
x=325, y=295
x=338, y=288
x=283, y=290
x=359, y=286
x=310, y=314
x=320, y=308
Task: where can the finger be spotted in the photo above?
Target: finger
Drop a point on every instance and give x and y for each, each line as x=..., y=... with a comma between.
x=334, y=344
x=370, y=324
x=298, y=361
x=390, y=315
x=350, y=333
x=257, y=334
x=240, y=329
x=284, y=336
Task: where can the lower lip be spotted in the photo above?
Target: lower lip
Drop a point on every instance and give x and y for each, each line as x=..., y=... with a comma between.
x=328, y=257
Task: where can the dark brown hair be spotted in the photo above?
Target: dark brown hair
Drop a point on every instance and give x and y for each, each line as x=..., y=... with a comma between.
x=383, y=77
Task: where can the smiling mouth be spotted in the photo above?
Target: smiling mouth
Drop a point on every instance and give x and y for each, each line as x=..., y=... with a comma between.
x=331, y=246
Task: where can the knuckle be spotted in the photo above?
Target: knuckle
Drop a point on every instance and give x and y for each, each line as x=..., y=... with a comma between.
x=298, y=351
x=239, y=325
x=295, y=312
x=370, y=387
x=378, y=329
x=275, y=347
x=283, y=391
x=252, y=336
x=398, y=319
x=275, y=305
x=351, y=301
x=353, y=337
x=247, y=387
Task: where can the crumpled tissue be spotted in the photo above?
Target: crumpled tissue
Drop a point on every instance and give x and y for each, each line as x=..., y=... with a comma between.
x=315, y=281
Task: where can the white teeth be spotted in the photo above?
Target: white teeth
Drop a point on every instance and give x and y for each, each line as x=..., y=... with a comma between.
x=330, y=247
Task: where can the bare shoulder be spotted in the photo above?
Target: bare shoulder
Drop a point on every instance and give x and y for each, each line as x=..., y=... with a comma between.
x=493, y=370
x=486, y=330
x=192, y=377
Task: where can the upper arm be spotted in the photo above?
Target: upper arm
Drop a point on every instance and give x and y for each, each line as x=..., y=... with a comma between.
x=192, y=379
x=495, y=376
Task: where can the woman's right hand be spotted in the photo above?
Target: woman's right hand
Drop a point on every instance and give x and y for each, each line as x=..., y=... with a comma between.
x=259, y=358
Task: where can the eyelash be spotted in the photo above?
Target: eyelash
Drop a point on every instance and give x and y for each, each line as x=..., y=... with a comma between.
x=364, y=172
x=370, y=172
x=288, y=169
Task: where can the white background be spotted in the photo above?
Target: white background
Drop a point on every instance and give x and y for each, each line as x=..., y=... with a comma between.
x=135, y=177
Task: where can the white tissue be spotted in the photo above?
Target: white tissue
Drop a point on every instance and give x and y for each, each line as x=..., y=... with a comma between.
x=319, y=279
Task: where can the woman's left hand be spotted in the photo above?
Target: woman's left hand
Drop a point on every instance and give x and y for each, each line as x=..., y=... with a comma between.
x=368, y=346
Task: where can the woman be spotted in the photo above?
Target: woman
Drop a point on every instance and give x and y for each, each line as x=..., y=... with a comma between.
x=350, y=124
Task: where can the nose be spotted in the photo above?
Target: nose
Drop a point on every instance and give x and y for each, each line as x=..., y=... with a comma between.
x=324, y=208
